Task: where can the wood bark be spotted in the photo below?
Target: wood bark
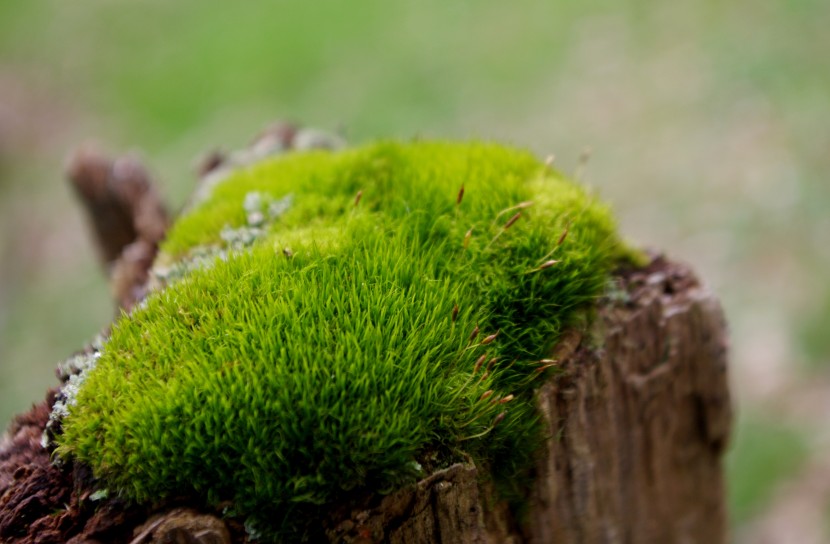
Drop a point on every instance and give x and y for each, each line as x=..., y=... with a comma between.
x=636, y=425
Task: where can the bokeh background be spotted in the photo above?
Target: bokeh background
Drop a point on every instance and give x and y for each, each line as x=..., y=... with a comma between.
x=709, y=123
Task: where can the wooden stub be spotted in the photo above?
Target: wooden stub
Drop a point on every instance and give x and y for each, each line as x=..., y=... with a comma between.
x=638, y=423
x=127, y=215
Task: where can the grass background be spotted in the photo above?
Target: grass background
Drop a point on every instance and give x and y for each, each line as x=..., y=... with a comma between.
x=708, y=121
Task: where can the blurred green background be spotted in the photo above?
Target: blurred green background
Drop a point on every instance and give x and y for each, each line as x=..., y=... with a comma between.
x=709, y=123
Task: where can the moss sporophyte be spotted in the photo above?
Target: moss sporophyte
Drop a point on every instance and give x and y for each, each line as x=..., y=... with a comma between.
x=341, y=322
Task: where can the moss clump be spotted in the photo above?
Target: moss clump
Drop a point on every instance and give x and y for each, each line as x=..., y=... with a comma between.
x=405, y=321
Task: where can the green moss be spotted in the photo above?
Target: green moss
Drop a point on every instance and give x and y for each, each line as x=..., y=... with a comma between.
x=279, y=382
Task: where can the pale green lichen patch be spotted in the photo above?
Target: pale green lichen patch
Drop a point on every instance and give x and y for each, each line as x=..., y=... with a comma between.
x=75, y=369
x=396, y=313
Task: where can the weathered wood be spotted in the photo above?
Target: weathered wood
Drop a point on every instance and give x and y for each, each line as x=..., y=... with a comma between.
x=643, y=421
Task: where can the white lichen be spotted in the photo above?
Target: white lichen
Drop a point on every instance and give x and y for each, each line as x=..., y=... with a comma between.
x=74, y=371
x=241, y=238
x=253, y=205
x=100, y=495
x=260, y=209
x=257, y=204
x=277, y=208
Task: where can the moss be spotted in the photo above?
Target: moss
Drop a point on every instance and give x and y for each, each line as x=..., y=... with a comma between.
x=423, y=285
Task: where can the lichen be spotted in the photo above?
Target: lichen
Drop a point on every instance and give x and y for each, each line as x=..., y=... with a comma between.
x=394, y=311
x=260, y=209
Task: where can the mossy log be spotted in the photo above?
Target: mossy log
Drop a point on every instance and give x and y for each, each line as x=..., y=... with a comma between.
x=635, y=425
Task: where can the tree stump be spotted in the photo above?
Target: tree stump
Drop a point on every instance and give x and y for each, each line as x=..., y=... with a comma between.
x=636, y=427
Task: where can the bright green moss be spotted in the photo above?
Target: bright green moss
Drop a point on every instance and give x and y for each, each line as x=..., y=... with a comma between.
x=277, y=382
x=397, y=179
